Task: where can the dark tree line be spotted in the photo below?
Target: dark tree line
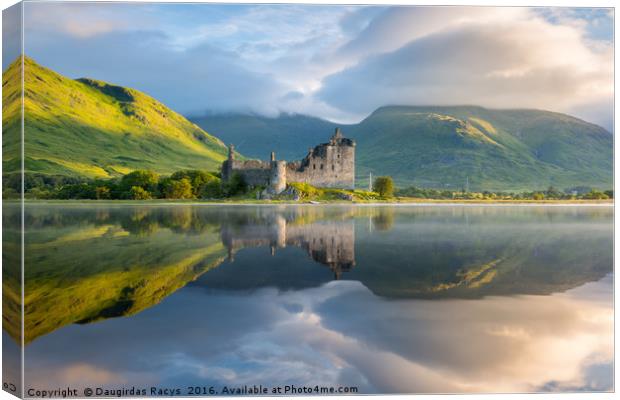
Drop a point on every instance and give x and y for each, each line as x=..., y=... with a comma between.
x=137, y=185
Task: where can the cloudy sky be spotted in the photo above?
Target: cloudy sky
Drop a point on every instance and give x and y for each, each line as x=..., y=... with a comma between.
x=562, y=342
x=336, y=62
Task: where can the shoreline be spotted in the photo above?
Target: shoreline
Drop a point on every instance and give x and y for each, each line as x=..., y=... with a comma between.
x=402, y=203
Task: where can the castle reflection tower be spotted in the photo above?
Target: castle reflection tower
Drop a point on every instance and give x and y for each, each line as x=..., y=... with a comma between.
x=328, y=242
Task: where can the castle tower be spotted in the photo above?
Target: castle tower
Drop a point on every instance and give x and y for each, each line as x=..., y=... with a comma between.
x=277, y=178
x=228, y=164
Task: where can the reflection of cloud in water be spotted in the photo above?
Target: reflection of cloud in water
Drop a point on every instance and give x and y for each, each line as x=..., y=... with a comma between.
x=342, y=334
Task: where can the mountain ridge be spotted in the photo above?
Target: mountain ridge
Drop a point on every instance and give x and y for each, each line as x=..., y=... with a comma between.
x=93, y=129
x=90, y=128
x=450, y=146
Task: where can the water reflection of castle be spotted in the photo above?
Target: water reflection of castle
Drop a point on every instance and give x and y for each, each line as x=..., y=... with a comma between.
x=330, y=243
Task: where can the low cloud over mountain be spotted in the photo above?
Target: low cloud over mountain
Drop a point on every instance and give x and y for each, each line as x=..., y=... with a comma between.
x=336, y=62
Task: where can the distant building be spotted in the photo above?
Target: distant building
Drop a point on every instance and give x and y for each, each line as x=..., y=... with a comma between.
x=330, y=165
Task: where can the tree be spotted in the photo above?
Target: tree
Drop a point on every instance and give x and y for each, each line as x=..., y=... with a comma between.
x=144, y=179
x=76, y=191
x=178, y=189
x=138, y=193
x=236, y=185
x=596, y=195
x=102, y=192
x=198, y=179
x=553, y=193
x=211, y=190
x=384, y=185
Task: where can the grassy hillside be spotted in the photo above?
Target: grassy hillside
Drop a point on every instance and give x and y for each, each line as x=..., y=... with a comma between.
x=444, y=147
x=494, y=149
x=289, y=135
x=89, y=128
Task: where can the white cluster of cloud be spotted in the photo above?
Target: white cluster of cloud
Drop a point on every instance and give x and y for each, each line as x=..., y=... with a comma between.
x=492, y=57
x=318, y=336
x=336, y=62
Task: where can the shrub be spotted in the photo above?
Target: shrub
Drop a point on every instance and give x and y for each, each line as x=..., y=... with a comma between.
x=305, y=190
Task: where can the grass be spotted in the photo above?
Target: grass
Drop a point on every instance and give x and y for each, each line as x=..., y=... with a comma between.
x=93, y=129
x=513, y=150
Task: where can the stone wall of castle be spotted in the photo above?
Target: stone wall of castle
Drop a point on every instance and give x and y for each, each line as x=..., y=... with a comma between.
x=330, y=165
x=327, y=165
x=254, y=172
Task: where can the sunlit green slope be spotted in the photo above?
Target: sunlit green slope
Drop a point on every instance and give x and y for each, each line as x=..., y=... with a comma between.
x=491, y=149
x=94, y=129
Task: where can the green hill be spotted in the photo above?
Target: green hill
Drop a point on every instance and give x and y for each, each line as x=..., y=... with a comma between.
x=89, y=128
x=493, y=149
x=444, y=147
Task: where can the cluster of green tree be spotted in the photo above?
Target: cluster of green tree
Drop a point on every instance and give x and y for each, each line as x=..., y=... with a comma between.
x=137, y=185
x=550, y=194
x=197, y=184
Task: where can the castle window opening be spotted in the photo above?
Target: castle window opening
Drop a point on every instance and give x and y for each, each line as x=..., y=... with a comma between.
x=333, y=167
x=313, y=166
x=321, y=166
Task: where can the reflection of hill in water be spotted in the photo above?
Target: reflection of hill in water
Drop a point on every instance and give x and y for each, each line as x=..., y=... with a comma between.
x=330, y=243
x=86, y=264
x=424, y=252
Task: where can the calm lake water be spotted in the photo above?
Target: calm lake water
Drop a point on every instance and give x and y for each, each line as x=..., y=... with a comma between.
x=411, y=299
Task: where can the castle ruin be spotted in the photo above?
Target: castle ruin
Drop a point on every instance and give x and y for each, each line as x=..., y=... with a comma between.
x=328, y=165
x=328, y=242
